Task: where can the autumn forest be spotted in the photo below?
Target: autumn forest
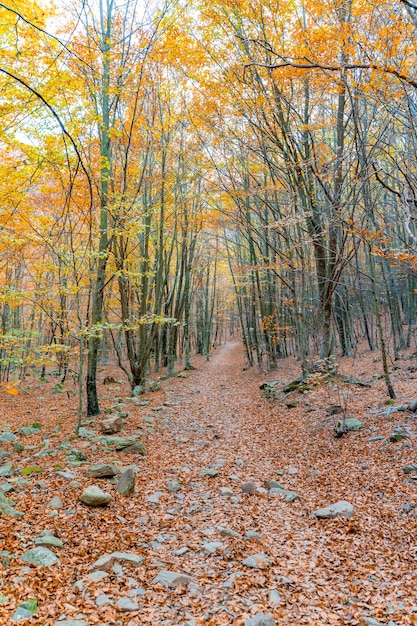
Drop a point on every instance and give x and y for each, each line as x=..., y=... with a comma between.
x=208, y=250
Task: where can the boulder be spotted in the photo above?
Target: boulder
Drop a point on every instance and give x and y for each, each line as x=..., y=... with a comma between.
x=106, y=562
x=172, y=579
x=260, y=619
x=257, y=561
x=338, y=509
x=112, y=424
x=126, y=484
x=102, y=470
x=94, y=496
x=40, y=556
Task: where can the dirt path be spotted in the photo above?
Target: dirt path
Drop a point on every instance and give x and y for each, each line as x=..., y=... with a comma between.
x=316, y=572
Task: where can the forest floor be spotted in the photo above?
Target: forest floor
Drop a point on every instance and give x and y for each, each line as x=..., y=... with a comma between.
x=331, y=571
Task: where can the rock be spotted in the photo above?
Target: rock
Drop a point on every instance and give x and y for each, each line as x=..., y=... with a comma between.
x=94, y=496
x=249, y=487
x=227, y=532
x=55, y=503
x=48, y=540
x=260, y=619
x=154, y=497
x=85, y=433
x=6, y=470
x=283, y=580
x=209, y=472
x=29, y=430
x=409, y=469
x=71, y=622
x=103, y=470
x=211, y=547
x=257, y=561
x=6, y=509
x=274, y=597
x=126, y=483
x=67, y=475
x=292, y=471
x=347, y=425
x=273, y=484
x=173, y=486
x=25, y=610
x=172, y=579
x=97, y=576
x=252, y=534
x=18, y=447
x=8, y=437
x=289, y=496
x=126, y=604
x=112, y=424
x=181, y=551
x=334, y=409
x=103, y=600
x=338, y=509
x=225, y=491
x=40, y=556
x=77, y=455
x=138, y=390
x=106, y=562
x=379, y=438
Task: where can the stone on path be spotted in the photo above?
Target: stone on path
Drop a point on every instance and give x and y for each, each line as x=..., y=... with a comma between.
x=172, y=579
x=126, y=484
x=249, y=487
x=48, y=540
x=112, y=424
x=260, y=619
x=274, y=597
x=126, y=604
x=257, y=561
x=94, y=496
x=40, y=556
x=173, y=486
x=106, y=561
x=338, y=509
x=71, y=622
x=103, y=470
x=55, y=503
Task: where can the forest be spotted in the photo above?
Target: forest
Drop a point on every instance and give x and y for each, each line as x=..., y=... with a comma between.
x=208, y=312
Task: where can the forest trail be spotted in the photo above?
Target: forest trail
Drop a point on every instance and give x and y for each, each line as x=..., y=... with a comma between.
x=184, y=520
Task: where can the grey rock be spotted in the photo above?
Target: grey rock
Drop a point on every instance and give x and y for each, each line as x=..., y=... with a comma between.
x=126, y=483
x=283, y=580
x=126, y=604
x=154, y=497
x=227, y=532
x=18, y=447
x=257, y=561
x=8, y=437
x=85, y=433
x=49, y=540
x=379, y=438
x=225, y=491
x=103, y=600
x=211, y=547
x=77, y=455
x=273, y=484
x=292, y=471
x=106, y=562
x=6, y=470
x=338, y=509
x=172, y=579
x=173, y=486
x=289, y=496
x=94, y=496
x=274, y=597
x=103, y=470
x=181, y=551
x=29, y=430
x=252, y=534
x=260, y=619
x=67, y=475
x=71, y=622
x=97, y=575
x=40, y=556
x=409, y=469
x=111, y=424
x=209, y=472
x=55, y=503
x=249, y=487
